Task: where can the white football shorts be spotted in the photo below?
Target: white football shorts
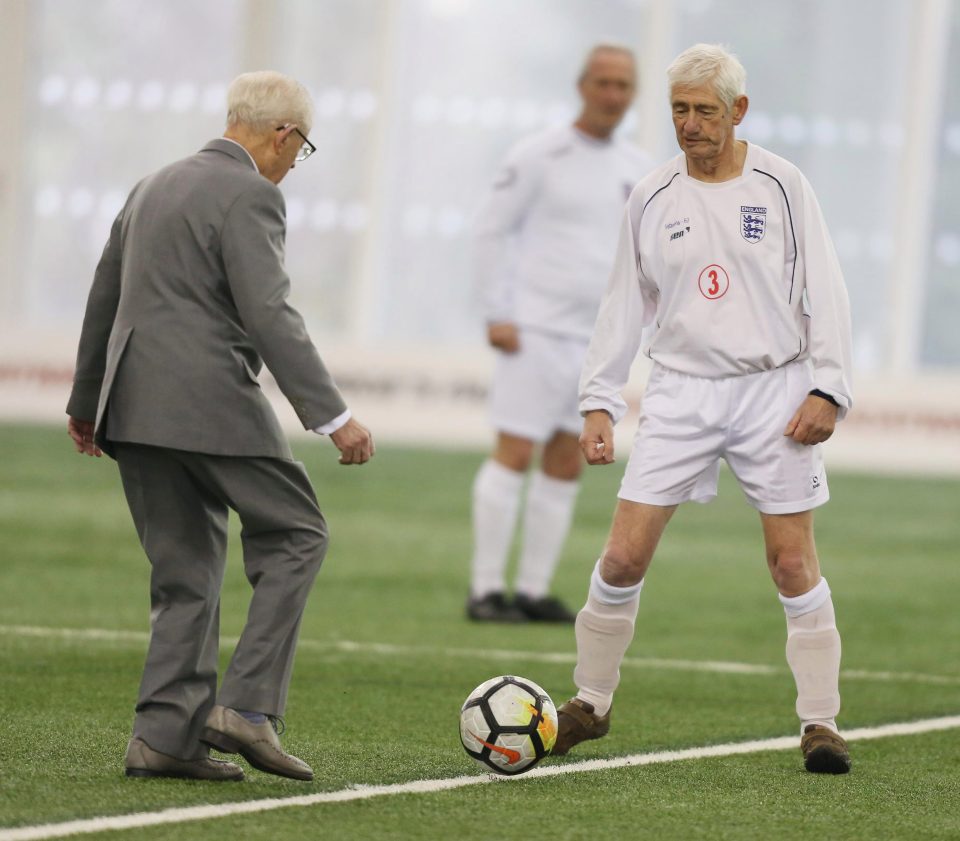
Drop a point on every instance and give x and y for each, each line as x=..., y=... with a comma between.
x=687, y=424
x=534, y=391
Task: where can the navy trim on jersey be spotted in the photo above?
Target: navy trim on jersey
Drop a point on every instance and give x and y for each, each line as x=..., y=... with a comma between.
x=659, y=190
x=792, y=232
x=829, y=398
x=647, y=202
x=799, y=351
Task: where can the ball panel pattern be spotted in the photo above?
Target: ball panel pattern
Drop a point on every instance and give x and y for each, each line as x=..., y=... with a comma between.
x=508, y=724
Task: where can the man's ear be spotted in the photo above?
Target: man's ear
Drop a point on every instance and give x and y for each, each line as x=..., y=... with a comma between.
x=740, y=106
x=280, y=137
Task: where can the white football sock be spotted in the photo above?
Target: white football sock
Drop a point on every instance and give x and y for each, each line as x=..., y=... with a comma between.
x=546, y=521
x=604, y=630
x=813, y=654
x=496, y=500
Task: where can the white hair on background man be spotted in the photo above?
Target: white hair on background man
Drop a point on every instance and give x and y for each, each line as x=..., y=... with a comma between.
x=709, y=64
x=266, y=99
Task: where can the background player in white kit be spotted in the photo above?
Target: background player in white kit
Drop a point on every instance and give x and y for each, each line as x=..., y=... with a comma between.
x=724, y=251
x=545, y=238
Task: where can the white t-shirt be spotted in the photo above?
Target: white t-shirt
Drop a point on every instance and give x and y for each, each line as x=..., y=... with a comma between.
x=733, y=277
x=547, y=232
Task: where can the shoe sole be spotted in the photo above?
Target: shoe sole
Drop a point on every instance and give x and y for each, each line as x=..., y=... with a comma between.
x=565, y=749
x=225, y=744
x=506, y=620
x=552, y=619
x=146, y=773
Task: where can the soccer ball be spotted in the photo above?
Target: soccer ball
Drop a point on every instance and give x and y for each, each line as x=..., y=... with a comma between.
x=508, y=724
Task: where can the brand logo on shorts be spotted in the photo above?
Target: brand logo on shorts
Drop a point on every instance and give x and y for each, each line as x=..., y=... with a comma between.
x=815, y=481
x=753, y=222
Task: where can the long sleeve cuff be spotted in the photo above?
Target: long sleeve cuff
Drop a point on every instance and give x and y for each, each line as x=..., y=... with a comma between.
x=334, y=425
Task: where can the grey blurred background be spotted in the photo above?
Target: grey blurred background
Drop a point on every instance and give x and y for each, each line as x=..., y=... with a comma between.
x=416, y=101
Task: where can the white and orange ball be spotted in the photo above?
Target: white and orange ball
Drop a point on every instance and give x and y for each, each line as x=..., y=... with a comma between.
x=508, y=724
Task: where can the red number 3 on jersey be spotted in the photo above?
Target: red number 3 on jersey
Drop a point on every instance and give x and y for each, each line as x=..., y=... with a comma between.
x=714, y=282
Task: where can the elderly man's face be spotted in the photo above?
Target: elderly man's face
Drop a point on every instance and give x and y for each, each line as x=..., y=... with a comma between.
x=703, y=123
x=607, y=88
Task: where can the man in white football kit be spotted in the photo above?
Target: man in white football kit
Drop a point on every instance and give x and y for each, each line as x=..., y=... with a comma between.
x=545, y=238
x=725, y=255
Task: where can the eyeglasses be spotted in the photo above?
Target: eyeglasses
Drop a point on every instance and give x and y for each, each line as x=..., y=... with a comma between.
x=306, y=150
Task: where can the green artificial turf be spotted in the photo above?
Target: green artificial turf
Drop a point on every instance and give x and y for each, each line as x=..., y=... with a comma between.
x=396, y=574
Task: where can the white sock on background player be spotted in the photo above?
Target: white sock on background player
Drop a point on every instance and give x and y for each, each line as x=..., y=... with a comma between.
x=813, y=654
x=546, y=521
x=604, y=631
x=496, y=501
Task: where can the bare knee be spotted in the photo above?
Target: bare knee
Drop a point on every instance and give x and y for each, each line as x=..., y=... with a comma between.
x=562, y=458
x=567, y=470
x=794, y=571
x=620, y=567
x=791, y=551
x=633, y=539
x=513, y=453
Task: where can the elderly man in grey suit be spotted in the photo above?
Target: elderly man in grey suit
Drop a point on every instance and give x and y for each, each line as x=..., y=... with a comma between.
x=187, y=303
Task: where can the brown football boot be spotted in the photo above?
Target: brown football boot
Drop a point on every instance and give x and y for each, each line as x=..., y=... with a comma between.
x=824, y=752
x=577, y=722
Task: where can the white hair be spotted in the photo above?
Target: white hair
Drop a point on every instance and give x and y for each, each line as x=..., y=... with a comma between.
x=266, y=99
x=710, y=64
x=606, y=47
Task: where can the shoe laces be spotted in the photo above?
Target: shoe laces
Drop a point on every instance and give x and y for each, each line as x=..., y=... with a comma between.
x=277, y=723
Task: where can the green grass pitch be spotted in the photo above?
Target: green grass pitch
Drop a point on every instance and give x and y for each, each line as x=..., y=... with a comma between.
x=396, y=574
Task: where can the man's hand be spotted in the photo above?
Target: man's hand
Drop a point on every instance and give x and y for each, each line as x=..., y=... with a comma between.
x=355, y=443
x=596, y=440
x=504, y=336
x=81, y=432
x=813, y=422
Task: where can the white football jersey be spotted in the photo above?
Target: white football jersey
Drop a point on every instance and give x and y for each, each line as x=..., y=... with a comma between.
x=547, y=232
x=732, y=277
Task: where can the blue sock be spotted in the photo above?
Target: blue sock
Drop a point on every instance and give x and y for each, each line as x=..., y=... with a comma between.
x=252, y=717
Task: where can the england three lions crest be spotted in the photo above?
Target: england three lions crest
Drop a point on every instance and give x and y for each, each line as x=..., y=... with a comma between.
x=753, y=222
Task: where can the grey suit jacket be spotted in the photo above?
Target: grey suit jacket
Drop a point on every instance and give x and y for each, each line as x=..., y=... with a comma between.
x=187, y=303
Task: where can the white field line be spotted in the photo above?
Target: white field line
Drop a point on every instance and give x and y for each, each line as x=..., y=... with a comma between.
x=366, y=792
x=350, y=647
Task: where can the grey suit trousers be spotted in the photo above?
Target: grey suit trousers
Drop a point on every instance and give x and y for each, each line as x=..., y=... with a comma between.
x=179, y=501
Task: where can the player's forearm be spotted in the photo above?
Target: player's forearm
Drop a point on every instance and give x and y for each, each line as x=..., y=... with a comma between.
x=830, y=325
x=616, y=334
x=605, y=373
x=495, y=274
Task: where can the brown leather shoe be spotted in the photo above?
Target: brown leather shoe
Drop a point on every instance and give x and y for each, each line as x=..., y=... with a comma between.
x=230, y=732
x=143, y=761
x=577, y=722
x=824, y=752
